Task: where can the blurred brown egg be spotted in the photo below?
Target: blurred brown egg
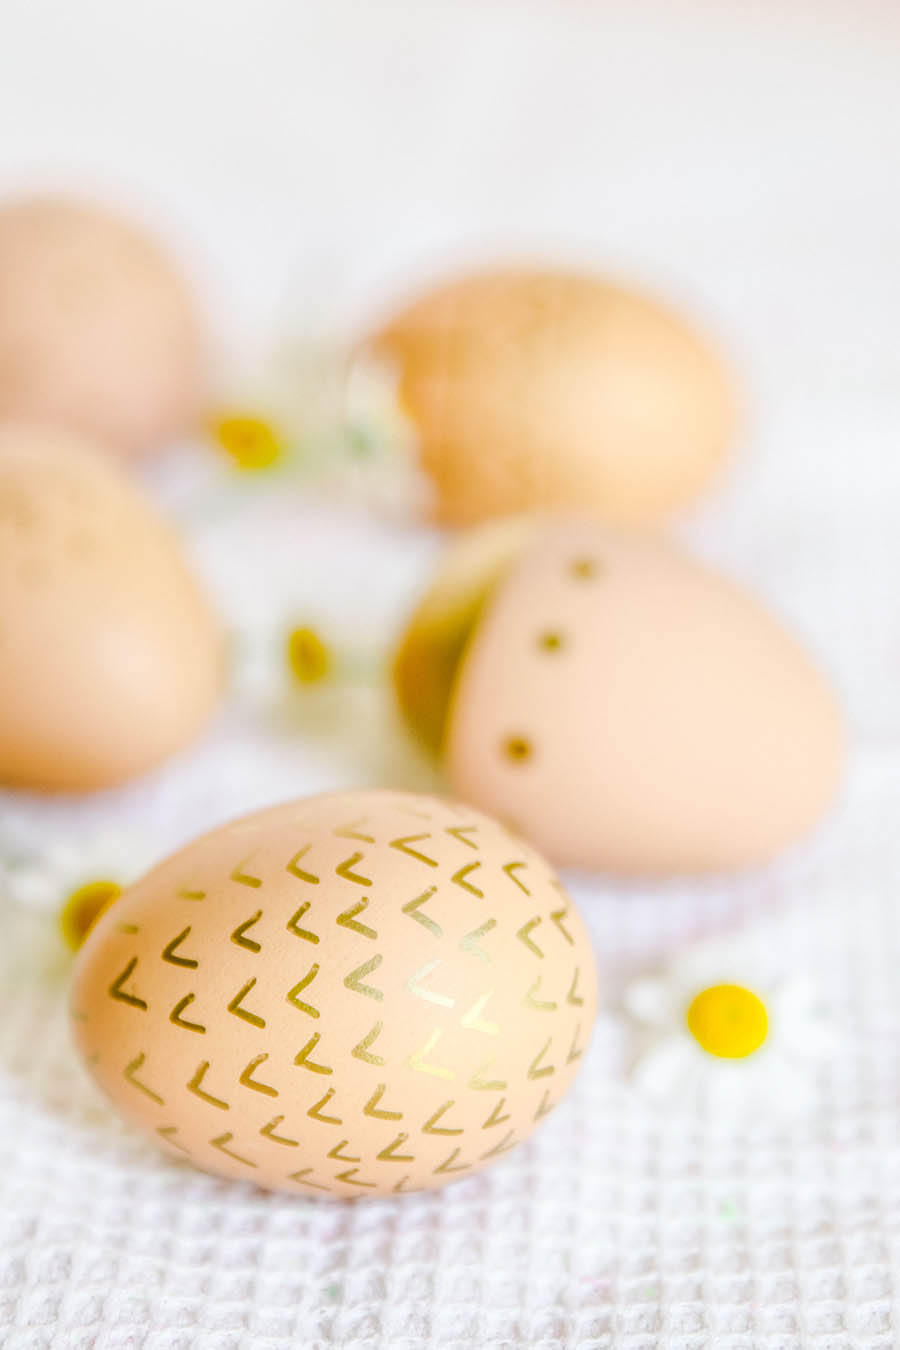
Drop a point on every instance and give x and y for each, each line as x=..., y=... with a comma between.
x=110, y=658
x=98, y=331
x=621, y=706
x=552, y=389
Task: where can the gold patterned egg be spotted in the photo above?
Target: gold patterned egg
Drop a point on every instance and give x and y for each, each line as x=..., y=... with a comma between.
x=622, y=706
x=356, y=994
x=551, y=389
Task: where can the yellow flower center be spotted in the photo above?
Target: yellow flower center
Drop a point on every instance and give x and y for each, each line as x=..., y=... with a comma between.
x=308, y=656
x=84, y=907
x=728, y=1020
x=251, y=442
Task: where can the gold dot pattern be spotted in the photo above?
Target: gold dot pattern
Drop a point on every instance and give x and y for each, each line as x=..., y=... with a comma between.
x=407, y=993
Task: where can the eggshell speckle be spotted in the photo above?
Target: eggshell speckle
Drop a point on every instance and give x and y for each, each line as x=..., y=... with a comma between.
x=550, y=389
x=356, y=994
x=110, y=658
x=628, y=710
x=98, y=332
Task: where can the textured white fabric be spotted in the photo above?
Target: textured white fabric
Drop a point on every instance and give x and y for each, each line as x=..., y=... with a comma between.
x=743, y=158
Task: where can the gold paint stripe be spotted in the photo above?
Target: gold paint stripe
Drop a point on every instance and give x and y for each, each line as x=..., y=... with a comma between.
x=168, y=953
x=348, y=919
x=387, y=1154
x=194, y=1086
x=269, y=1131
x=291, y=996
x=459, y=879
x=249, y=1081
x=177, y=1020
x=221, y=1142
x=524, y=935
x=303, y=1061
x=121, y=995
x=370, y=1108
x=412, y=907
x=417, y=1059
x=293, y=923
x=297, y=871
x=402, y=846
x=315, y=1112
x=533, y=1070
x=353, y=981
x=244, y=878
x=510, y=869
x=344, y=870
x=469, y=943
x=238, y=935
x=431, y=1127
x=130, y=1072
x=361, y=1050
x=235, y=1006
x=428, y=995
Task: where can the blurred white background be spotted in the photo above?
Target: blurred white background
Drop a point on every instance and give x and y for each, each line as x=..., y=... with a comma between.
x=307, y=159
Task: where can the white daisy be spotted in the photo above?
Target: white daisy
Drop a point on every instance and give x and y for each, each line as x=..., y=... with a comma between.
x=723, y=1033
x=75, y=880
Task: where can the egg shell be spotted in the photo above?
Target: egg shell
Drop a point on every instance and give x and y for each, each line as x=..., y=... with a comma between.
x=626, y=709
x=542, y=389
x=110, y=658
x=98, y=331
x=356, y=994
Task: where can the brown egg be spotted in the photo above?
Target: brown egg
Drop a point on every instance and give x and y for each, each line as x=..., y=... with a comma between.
x=360, y=993
x=98, y=332
x=621, y=706
x=109, y=655
x=550, y=389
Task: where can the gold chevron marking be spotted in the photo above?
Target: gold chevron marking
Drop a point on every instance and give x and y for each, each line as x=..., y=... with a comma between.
x=176, y=1018
x=531, y=999
x=169, y=952
x=344, y=870
x=194, y=1086
x=269, y=1131
x=459, y=878
x=545, y=1107
x=402, y=843
x=495, y=1117
x=524, y=935
x=401, y=1187
x=349, y=831
x=412, y=909
x=122, y=995
x=168, y=1133
x=371, y=1106
x=460, y=832
x=130, y=1072
x=353, y=981
x=221, y=1142
x=235, y=1006
x=481, y=1084
x=244, y=878
x=431, y=1126
x=297, y=871
x=238, y=935
x=315, y=1112
x=472, y=1019
x=303, y=1061
x=575, y=1050
x=348, y=919
x=350, y=1177
x=293, y=925
x=249, y=1081
x=414, y=982
x=361, y=1051
x=469, y=943
x=417, y=1058
x=301, y=1179
x=447, y=1164
x=510, y=869
x=533, y=1070
x=291, y=995
x=506, y=1143
x=129, y=928
x=338, y=1155
x=387, y=1154
x=557, y=916
x=572, y=997
x=185, y=894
